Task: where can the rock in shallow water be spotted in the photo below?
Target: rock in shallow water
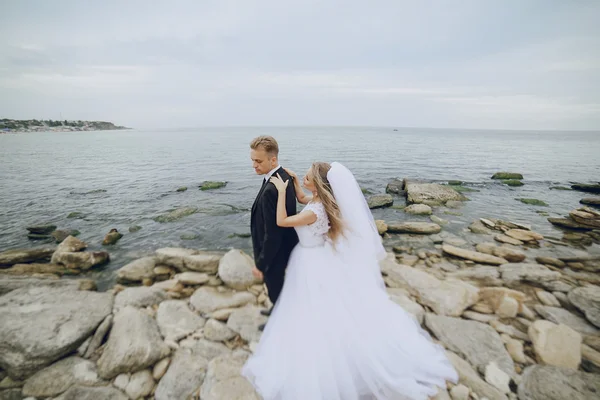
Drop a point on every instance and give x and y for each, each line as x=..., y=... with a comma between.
x=414, y=227
x=431, y=193
x=380, y=201
x=19, y=256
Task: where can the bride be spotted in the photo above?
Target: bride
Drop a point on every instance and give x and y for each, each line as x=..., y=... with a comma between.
x=334, y=334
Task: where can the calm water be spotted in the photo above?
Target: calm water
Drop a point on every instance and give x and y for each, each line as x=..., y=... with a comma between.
x=46, y=176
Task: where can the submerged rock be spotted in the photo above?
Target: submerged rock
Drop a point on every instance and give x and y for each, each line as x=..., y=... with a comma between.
x=176, y=215
x=533, y=202
x=210, y=185
x=431, y=193
x=507, y=175
x=112, y=237
x=380, y=201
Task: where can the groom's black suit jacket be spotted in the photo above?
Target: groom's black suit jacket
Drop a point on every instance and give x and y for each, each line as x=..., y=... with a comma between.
x=272, y=244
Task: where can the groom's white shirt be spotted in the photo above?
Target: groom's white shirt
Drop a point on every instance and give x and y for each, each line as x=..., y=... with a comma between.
x=271, y=172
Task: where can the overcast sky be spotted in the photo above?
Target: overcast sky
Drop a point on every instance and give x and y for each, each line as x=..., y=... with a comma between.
x=507, y=64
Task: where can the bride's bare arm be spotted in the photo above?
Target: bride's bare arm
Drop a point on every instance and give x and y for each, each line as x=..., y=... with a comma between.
x=304, y=218
x=302, y=197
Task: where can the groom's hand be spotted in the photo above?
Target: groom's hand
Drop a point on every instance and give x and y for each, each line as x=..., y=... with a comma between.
x=257, y=274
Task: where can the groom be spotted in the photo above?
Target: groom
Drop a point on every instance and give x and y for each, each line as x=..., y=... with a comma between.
x=272, y=244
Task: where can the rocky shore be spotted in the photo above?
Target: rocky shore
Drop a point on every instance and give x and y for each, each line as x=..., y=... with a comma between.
x=517, y=311
x=34, y=125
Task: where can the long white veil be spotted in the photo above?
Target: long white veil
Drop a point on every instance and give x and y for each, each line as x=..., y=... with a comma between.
x=361, y=241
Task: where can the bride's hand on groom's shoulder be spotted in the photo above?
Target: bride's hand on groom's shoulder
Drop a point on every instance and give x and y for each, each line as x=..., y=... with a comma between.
x=291, y=173
x=279, y=183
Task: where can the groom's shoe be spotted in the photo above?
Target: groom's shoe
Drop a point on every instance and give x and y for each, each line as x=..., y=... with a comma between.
x=266, y=313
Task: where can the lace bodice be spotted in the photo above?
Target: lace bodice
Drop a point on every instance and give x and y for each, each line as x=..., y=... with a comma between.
x=315, y=234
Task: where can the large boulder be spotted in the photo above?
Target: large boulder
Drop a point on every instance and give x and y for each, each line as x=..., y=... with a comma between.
x=134, y=343
x=556, y=345
x=584, y=187
x=473, y=255
x=138, y=270
x=246, y=322
x=142, y=296
x=176, y=320
x=71, y=245
x=224, y=380
x=449, y=297
x=184, y=376
x=92, y=393
x=413, y=227
x=10, y=283
x=235, y=269
x=418, y=209
x=19, y=256
x=431, y=193
x=540, y=382
x=561, y=316
x=39, y=325
x=188, y=259
x=81, y=260
x=207, y=299
x=479, y=343
x=515, y=273
x=380, y=201
x=217, y=331
x=587, y=299
x=60, y=376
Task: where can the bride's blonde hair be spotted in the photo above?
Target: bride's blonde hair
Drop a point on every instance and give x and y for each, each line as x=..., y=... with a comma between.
x=318, y=173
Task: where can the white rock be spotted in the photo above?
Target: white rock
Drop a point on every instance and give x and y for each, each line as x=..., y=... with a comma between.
x=60, y=376
x=547, y=299
x=508, y=308
x=142, y=296
x=188, y=259
x=39, y=325
x=137, y=270
x=207, y=299
x=516, y=351
x=140, y=385
x=449, y=297
x=217, y=331
x=134, y=344
x=160, y=368
x=235, y=269
x=246, y=322
x=459, y=392
x=224, y=381
x=497, y=378
x=556, y=345
x=176, y=320
x=121, y=381
x=192, y=278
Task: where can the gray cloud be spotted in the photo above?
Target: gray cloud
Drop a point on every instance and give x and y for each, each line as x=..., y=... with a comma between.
x=532, y=64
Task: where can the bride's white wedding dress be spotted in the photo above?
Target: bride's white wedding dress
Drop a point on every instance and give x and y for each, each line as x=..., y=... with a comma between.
x=334, y=334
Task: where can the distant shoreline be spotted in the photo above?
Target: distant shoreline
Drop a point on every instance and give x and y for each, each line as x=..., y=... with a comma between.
x=34, y=125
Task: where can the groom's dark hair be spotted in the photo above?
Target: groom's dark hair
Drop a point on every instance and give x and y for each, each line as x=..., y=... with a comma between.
x=267, y=143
